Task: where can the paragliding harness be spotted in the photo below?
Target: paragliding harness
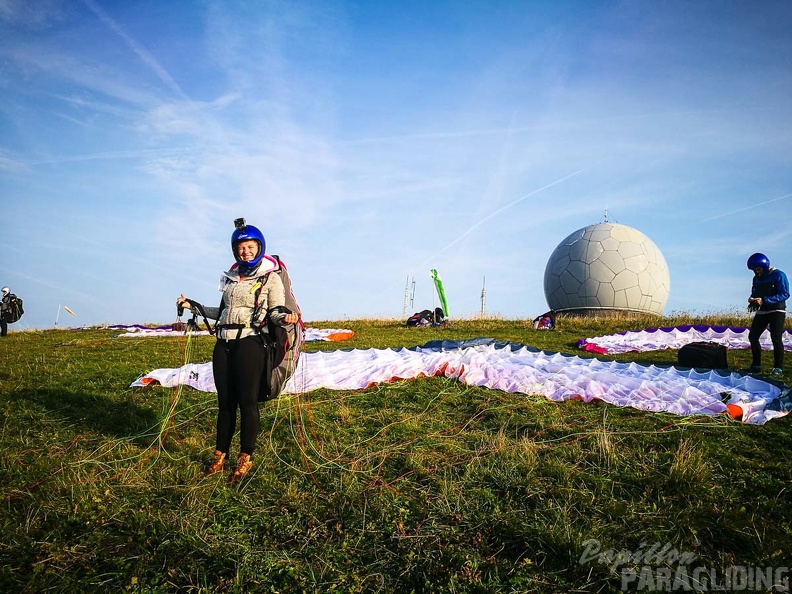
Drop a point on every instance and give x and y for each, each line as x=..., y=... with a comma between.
x=13, y=310
x=282, y=348
x=546, y=321
x=427, y=317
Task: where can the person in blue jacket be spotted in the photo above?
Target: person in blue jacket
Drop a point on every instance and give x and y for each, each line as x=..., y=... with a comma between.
x=769, y=293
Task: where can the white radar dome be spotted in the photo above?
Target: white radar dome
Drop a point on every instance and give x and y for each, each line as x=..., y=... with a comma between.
x=604, y=268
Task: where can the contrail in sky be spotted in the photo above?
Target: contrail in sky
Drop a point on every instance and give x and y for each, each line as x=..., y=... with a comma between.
x=139, y=50
x=500, y=210
x=726, y=214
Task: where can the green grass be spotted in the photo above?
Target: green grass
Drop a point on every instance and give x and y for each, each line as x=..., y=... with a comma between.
x=416, y=486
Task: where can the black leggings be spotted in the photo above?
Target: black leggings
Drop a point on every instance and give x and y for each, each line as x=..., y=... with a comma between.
x=775, y=321
x=238, y=367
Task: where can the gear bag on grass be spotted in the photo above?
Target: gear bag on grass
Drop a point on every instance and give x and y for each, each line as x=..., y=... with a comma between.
x=546, y=321
x=15, y=309
x=426, y=317
x=703, y=355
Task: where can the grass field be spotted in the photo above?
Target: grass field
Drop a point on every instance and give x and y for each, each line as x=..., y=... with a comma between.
x=415, y=486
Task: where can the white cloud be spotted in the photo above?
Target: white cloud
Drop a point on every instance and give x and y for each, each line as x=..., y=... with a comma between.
x=34, y=15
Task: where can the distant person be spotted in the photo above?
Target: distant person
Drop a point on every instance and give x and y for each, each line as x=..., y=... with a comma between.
x=769, y=293
x=5, y=311
x=10, y=310
x=238, y=360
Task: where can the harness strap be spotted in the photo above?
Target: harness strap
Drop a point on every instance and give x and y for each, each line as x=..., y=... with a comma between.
x=260, y=282
x=238, y=328
x=197, y=308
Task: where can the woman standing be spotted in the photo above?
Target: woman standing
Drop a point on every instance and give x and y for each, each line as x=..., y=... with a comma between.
x=249, y=294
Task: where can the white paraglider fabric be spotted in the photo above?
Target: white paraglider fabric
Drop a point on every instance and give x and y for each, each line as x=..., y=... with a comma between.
x=516, y=368
x=311, y=334
x=656, y=339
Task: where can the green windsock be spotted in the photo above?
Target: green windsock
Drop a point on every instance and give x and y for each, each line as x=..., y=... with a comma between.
x=440, y=290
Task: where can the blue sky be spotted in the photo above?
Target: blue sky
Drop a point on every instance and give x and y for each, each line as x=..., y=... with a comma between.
x=372, y=141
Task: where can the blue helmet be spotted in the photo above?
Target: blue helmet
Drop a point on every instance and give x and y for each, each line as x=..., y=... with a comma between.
x=245, y=233
x=759, y=260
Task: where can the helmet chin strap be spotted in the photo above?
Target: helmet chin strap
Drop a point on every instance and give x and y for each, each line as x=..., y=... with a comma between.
x=245, y=269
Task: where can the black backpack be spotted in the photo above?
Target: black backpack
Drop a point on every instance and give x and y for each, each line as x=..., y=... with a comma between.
x=421, y=318
x=703, y=355
x=427, y=317
x=15, y=310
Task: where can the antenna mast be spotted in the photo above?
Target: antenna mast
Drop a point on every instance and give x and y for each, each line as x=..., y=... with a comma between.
x=483, y=297
x=406, y=295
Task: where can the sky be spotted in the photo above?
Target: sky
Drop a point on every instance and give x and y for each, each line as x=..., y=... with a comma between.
x=373, y=141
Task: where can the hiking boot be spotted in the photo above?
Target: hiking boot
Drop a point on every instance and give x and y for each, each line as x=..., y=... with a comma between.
x=218, y=462
x=244, y=463
x=753, y=369
x=777, y=373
